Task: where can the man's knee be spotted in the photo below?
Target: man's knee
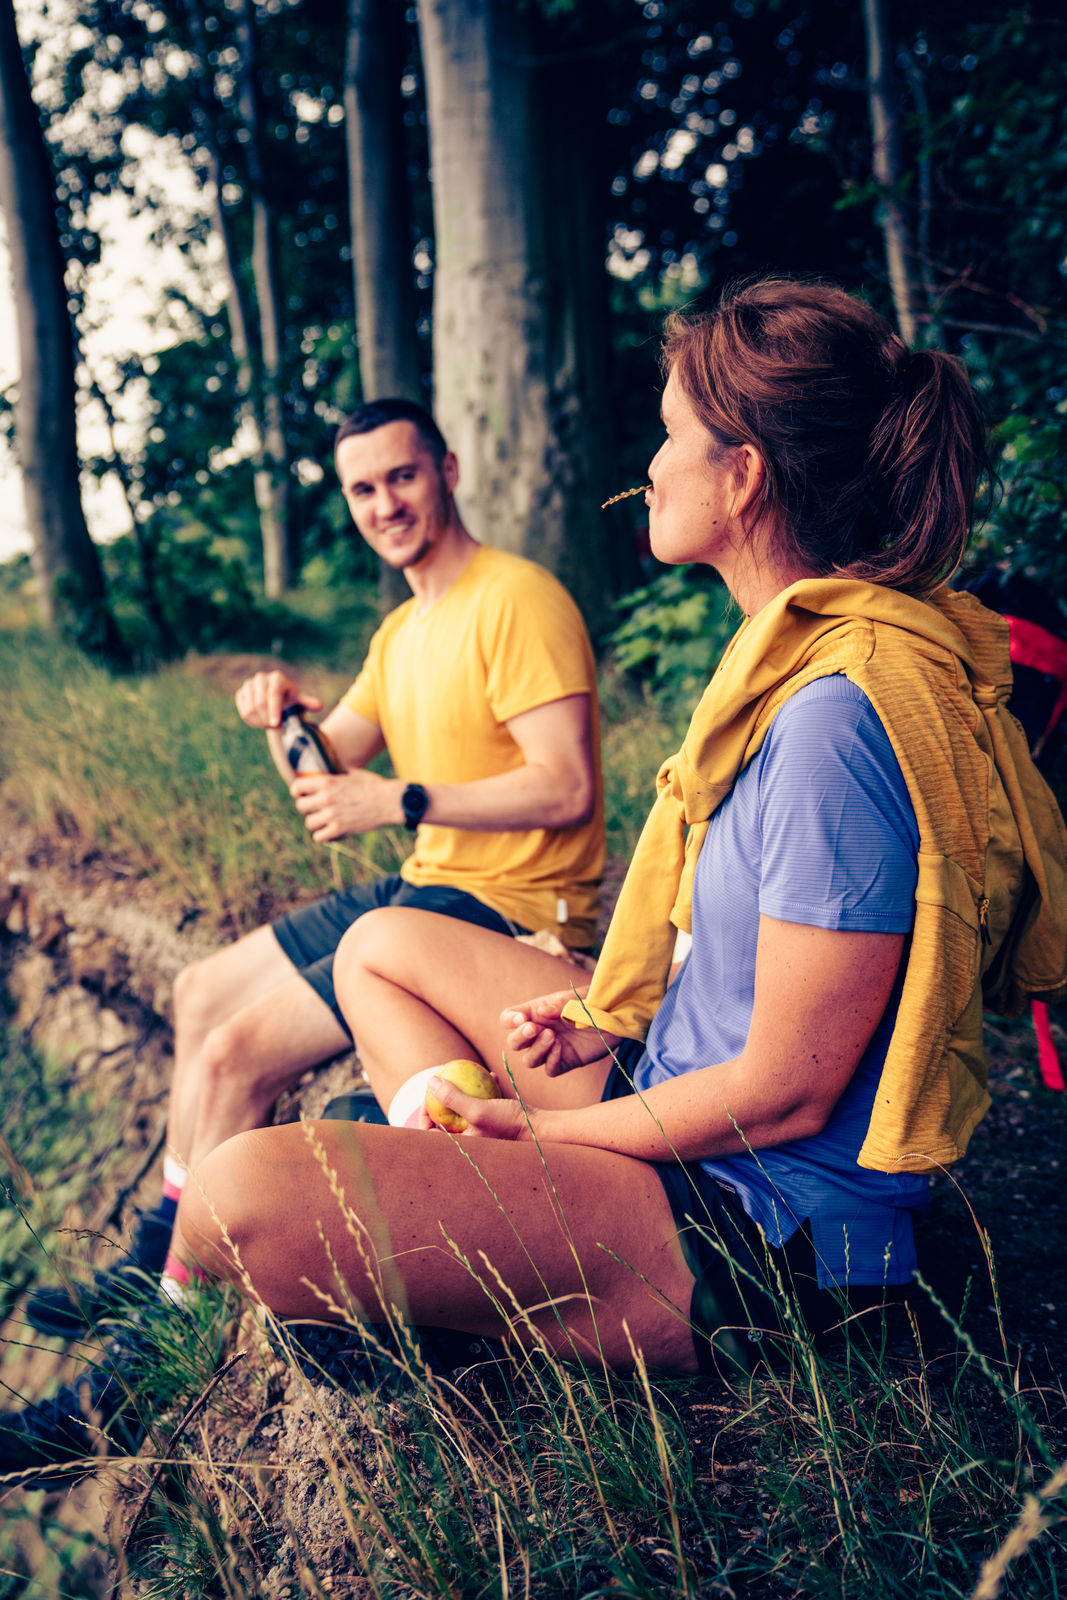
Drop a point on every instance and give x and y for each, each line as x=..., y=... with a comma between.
x=239, y=1052
x=202, y=994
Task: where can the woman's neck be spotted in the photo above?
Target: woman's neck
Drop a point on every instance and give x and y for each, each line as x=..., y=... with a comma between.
x=754, y=575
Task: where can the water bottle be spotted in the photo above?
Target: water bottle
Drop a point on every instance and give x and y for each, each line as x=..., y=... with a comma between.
x=307, y=749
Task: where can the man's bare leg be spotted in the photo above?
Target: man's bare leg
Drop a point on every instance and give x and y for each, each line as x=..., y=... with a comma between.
x=246, y=1025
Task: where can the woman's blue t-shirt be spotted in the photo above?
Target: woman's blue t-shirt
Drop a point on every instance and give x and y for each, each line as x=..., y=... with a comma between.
x=819, y=829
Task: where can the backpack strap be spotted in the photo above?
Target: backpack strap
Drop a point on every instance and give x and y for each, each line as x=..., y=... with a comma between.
x=1035, y=647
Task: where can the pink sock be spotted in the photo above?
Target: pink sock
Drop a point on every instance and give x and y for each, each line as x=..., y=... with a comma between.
x=179, y=1278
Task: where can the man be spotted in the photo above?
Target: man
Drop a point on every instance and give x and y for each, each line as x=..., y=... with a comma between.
x=482, y=688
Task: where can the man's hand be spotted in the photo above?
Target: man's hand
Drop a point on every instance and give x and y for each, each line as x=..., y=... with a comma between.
x=334, y=805
x=262, y=698
x=542, y=1037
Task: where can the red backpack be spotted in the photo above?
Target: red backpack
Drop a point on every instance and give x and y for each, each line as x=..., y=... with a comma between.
x=1039, y=700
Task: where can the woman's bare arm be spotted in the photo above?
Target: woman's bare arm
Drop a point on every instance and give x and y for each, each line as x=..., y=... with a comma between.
x=819, y=995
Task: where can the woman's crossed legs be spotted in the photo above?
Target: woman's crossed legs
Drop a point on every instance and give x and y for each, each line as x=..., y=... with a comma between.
x=457, y=1233
x=473, y=1234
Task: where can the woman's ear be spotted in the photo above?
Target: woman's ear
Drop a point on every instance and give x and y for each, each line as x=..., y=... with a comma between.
x=750, y=474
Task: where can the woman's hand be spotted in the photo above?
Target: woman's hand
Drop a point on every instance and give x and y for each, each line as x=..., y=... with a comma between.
x=542, y=1037
x=486, y=1119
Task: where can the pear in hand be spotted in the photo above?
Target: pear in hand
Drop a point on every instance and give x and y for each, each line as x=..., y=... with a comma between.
x=473, y=1079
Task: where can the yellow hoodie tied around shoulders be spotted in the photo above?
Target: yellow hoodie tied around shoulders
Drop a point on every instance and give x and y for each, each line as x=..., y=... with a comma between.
x=991, y=900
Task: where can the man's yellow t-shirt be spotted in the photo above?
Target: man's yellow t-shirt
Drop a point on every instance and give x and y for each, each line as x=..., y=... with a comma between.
x=504, y=639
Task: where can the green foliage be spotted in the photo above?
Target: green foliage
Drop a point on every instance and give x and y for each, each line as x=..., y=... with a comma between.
x=201, y=591
x=1026, y=530
x=674, y=631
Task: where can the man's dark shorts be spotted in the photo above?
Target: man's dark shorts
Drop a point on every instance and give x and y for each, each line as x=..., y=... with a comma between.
x=311, y=935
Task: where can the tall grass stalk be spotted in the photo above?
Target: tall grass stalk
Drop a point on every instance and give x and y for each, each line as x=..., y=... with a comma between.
x=879, y=1470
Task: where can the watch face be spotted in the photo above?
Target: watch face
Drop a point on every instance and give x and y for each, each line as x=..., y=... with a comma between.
x=414, y=802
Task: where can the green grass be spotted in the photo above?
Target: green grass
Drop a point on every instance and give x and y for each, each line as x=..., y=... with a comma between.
x=893, y=1468
x=160, y=773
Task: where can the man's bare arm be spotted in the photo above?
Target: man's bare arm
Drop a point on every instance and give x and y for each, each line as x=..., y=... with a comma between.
x=554, y=788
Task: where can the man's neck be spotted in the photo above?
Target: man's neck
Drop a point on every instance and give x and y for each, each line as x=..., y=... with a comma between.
x=438, y=571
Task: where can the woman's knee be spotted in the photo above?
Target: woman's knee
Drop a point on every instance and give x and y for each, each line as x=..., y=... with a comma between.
x=373, y=948
x=219, y=1217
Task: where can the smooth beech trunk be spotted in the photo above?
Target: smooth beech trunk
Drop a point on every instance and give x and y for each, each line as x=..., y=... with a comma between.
x=70, y=580
x=517, y=289
x=885, y=164
x=380, y=217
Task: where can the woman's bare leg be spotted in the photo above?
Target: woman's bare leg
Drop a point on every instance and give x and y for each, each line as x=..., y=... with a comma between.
x=419, y=989
x=584, y=1239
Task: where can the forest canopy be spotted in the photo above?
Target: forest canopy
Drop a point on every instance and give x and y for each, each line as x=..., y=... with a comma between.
x=489, y=204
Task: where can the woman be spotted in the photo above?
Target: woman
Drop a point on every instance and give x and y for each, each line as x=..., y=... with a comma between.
x=850, y=829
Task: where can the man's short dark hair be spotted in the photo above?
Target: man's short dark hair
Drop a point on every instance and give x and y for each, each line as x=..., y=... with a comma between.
x=377, y=413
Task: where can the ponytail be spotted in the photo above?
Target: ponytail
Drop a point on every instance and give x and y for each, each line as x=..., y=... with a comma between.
x=929, y=449
x=872, y=452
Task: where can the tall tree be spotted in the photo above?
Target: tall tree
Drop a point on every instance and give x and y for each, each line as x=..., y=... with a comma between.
x=885, y=113
x=380, y=216
x=67, y=566
x=518, y=387
x=379, y=212
x=272, y=469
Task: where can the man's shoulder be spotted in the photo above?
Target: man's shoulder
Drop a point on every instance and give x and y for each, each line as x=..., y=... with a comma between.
x=394, y=619
x=503, y=572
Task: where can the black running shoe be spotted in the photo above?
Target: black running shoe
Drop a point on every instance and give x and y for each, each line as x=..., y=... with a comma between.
x=342, y=1355
x=42, y=1442
x=63, y=1313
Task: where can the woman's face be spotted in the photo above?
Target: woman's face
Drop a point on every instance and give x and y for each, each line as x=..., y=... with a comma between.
x=692, y=497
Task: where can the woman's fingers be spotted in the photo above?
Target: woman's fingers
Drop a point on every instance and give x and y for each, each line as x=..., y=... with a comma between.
x=485, y=1119
x=532, y=1044
x=544, y=1008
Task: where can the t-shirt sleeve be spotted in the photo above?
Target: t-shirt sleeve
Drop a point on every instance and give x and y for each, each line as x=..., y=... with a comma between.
x=839, y=836
x=362, y=697
x=534, y=645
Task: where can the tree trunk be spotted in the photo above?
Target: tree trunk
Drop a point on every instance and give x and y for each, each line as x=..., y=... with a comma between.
x=70, y=580
x=166, y=645
x=249, y=419
x=885, y=165
x=272, y=471
x=380, y=217
x=515, y=372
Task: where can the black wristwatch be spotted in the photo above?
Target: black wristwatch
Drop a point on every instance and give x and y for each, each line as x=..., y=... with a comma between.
x=414, y=801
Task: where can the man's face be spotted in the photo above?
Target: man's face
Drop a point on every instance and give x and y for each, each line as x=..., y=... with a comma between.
x=399, y=498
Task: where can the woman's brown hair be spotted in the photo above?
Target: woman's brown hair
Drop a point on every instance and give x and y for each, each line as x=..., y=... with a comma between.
x=872, y=451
